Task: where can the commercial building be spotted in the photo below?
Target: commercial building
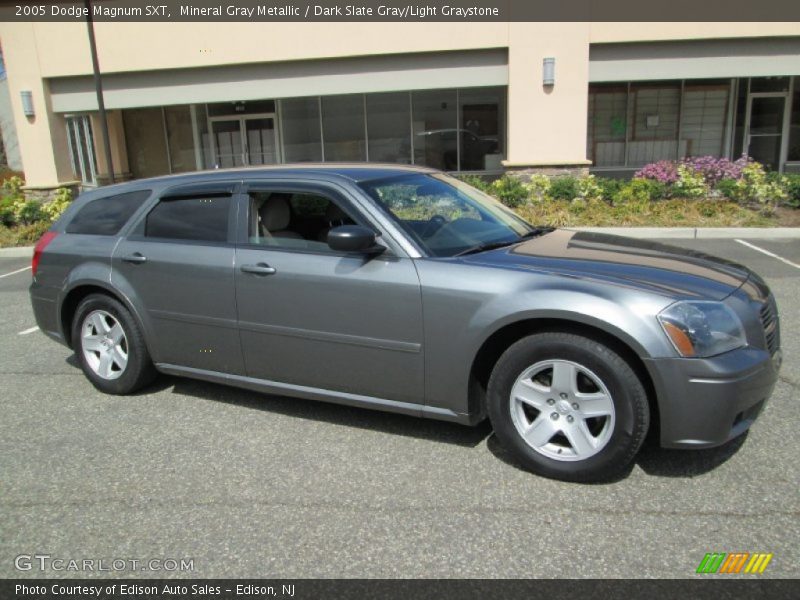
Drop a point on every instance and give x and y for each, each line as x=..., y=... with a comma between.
x=477, y=97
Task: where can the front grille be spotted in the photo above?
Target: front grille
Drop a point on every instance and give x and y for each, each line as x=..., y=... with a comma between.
x=769, y=320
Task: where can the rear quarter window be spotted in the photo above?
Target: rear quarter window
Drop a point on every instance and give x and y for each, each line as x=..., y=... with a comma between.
x=106, y=216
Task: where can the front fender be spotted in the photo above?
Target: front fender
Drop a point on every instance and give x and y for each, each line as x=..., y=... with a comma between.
x=464, y=306
x=633, y=323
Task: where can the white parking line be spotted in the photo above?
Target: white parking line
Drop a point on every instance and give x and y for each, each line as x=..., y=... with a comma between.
x=27, y=331
x=768, y=253
x=15, y=272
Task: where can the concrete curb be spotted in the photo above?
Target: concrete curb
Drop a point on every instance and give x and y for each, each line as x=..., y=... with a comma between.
x=18, y=252
x=700, y=233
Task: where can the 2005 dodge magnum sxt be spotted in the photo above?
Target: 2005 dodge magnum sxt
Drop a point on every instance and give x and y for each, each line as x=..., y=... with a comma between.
x=406, y=290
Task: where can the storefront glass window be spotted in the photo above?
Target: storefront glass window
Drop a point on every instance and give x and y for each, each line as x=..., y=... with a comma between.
x=389, y=127
x=301, y=129
x=435, y=129
x=343, y=128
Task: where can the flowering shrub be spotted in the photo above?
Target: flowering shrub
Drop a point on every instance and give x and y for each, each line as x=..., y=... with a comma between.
x=53, y=209
x=715, y=169
x=589, y=189
x=13, y=186
x=539, y=187
x=712, y=169
x=755, y=186
x=663, y=171
x=691, y=183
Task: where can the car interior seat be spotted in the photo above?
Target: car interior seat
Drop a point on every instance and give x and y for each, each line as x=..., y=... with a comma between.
x=274, y=217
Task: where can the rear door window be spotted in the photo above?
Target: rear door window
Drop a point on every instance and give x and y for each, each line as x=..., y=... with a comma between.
x=106, y=216
x=202, y=219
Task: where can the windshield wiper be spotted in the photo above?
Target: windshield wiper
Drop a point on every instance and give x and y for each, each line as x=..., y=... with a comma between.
x=494, y=245
x=535, y=233
x=484, y=247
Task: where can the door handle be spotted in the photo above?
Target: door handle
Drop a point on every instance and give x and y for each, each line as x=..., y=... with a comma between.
x=135, y=258
x=259, y=269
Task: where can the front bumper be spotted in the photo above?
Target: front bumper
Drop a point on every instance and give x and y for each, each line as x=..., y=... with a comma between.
x=706, y=402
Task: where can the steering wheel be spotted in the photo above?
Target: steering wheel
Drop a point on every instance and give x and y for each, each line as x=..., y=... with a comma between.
x=435, y=223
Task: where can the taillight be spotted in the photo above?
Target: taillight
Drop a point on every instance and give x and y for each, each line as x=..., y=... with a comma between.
x=43, y=242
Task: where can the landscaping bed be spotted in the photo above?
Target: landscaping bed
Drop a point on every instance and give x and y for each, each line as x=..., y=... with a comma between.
x=696, y=192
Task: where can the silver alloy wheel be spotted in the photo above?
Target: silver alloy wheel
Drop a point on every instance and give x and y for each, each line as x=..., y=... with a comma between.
x=562, y=410
x=105, y=347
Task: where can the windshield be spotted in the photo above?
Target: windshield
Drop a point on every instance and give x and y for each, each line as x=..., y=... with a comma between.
x=446, y=216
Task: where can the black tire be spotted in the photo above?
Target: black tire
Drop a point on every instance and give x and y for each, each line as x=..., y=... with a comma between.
x=631, y=410
x=139, y=371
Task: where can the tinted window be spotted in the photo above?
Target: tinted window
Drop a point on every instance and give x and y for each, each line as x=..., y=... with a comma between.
x=106, y=216
x=201, y=219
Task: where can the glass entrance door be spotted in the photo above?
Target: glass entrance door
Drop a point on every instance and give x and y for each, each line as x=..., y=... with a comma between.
x=766, y=116
x=241, y=141
x=260, y=140
x=226, y=139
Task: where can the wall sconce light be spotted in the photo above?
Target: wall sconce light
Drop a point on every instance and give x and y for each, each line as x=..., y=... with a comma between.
x=27, y=103
x=549, y=71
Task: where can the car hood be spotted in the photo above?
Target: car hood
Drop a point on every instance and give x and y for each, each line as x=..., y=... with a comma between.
x=660, y=268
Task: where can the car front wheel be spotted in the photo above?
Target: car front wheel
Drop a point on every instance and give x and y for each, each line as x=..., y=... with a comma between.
x=568, y=407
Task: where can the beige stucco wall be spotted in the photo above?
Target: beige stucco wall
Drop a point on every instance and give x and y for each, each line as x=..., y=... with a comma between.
x=63, y=48
x=548, y=124
x=545, y=126
x=42, y=138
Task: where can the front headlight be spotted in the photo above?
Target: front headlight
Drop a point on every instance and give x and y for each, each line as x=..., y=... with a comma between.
x=701, y=329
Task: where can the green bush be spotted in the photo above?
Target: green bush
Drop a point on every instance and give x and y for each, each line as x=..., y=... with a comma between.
x=7, y=211
x=609, y=187
x=639, y=191
x=27, y=212
x=792, y=186
x=510, y=190
x=564, y=187
x=476, y=181
x=726, y=188
x=12, y=186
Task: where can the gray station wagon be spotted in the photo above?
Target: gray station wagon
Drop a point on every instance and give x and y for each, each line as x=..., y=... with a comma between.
x=406, y=290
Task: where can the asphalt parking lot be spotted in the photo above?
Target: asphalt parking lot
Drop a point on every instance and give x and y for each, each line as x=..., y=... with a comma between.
x=262, y=486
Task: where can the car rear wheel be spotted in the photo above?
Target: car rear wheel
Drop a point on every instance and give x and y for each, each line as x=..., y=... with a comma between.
x=568, y=407
x=110, y=347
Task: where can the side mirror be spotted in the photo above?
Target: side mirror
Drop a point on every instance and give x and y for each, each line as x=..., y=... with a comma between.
x=353, y=238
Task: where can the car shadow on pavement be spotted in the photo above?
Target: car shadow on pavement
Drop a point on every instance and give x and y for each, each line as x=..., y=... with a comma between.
x=393, y=424
x=161, y=383
x=653, y=460
x=662, y=462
